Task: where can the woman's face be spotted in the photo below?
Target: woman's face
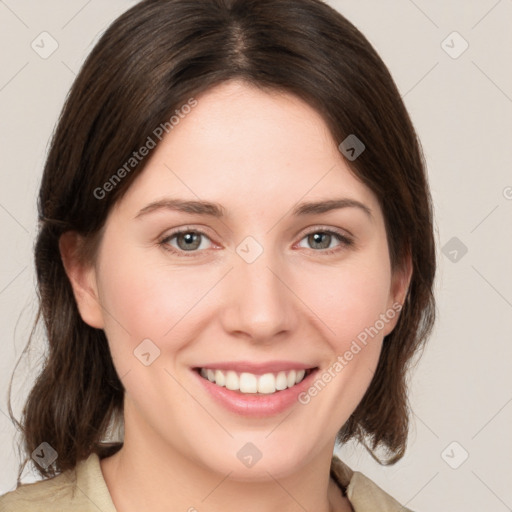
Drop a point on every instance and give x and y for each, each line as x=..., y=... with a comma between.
x=261, y=285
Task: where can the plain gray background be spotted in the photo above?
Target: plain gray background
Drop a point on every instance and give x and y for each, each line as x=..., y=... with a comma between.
x=460, y=101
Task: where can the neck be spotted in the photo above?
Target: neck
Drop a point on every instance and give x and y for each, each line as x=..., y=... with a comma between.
x=151, y=475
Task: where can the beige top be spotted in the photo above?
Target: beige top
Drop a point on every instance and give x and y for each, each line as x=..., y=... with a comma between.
x=84, y=490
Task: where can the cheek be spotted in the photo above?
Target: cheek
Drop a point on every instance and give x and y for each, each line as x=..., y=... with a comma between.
x=350, y=299
x=351, y=311
x=143, y=299
x=352, y=303
x=356, y=310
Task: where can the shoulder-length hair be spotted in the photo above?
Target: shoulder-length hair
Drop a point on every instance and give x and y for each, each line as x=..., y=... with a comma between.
x=148, y=64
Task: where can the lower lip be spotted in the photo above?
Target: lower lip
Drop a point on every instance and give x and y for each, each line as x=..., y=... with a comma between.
x=256, y=405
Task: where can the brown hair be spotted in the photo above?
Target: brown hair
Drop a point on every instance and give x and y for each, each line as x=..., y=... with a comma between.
x=147, y=64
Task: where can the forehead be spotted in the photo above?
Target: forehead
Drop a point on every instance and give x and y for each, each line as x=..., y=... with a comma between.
x=248, y=148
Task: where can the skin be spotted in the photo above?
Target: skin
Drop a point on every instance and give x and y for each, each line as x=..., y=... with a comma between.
x=258, y=154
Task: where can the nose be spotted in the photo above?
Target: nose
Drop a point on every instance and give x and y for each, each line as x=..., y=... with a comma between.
x=259, y=302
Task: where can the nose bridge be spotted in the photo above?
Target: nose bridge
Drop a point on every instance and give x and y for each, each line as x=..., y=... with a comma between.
x=260, y=304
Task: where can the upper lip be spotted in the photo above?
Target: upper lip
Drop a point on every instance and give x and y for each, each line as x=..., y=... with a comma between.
x=257, y=368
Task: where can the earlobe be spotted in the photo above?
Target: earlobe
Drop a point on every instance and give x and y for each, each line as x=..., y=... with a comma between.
x=82, y=277
x=400, y=282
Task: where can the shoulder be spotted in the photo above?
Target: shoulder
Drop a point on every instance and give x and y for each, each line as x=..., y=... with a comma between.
x=364, y=495
x=81, y=489
x=40, y=495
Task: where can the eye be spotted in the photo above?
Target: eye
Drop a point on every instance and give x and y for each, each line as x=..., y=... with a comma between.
x=321, y=239
x=187, y=240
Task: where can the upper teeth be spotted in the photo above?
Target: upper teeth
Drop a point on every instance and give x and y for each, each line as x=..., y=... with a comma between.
x=250, y=383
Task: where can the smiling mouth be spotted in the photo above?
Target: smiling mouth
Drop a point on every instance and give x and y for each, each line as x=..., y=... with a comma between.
x=250, y=383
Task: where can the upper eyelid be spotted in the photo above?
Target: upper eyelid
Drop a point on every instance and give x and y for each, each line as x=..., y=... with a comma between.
x=179, y=231
x=321, y=228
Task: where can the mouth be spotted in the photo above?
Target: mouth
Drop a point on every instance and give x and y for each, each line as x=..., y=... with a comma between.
x=247, y=383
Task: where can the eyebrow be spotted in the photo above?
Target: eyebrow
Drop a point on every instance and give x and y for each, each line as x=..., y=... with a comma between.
x=218, y=211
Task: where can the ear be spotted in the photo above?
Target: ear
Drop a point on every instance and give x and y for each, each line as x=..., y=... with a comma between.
x=400, y=282
x=82, y=277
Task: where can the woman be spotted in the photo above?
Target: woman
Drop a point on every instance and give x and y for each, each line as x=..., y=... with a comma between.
x=235, y=265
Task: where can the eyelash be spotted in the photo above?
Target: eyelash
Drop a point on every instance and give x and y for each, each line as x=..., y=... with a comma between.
x=345, y=240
